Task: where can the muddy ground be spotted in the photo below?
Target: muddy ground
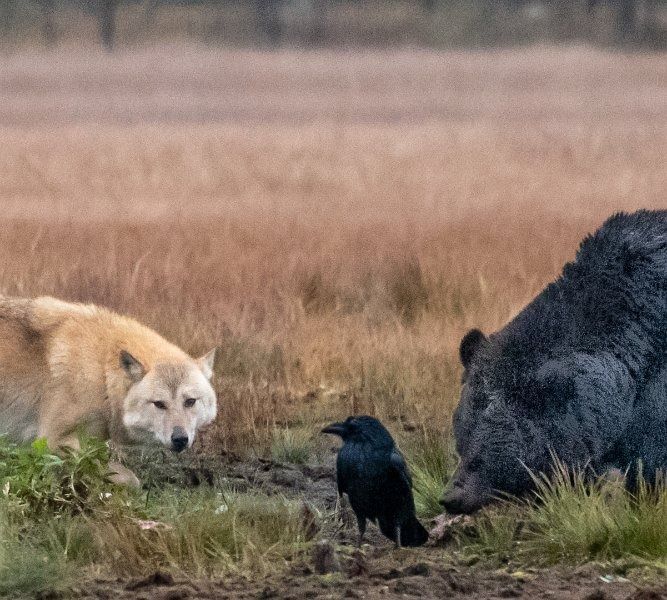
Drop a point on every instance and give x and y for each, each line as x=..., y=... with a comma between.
x=378, y=570
x=421, y=574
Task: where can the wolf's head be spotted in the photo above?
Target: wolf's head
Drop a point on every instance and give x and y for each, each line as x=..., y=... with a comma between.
x=169, y=401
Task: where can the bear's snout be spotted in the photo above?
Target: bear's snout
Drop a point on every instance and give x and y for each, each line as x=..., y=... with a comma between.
x=464, y=495
x=455, y=502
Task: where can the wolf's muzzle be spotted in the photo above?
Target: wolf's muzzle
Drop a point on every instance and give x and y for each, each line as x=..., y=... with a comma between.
x=179, y=439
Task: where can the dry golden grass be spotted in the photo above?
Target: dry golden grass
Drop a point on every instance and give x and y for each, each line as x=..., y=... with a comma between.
x=332, y=221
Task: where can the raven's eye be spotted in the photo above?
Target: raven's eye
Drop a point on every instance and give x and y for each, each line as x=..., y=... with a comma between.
x=159, y=404
x=189, y=402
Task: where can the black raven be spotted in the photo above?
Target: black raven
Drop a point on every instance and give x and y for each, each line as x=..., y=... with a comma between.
x=373, y=473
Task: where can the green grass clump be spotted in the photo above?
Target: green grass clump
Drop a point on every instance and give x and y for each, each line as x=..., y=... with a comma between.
x=185, y=532
x=203, y=533
x=24, y=568
x=40, y=495
x=39, y=483
x=572, y=519
x=431, y=464
x=294, y=446
x=61, y=518
x=495, y=532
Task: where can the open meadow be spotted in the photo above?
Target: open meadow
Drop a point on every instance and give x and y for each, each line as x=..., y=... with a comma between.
x=333, y=221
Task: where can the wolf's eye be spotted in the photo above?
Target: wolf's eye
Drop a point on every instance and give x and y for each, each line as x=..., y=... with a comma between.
x=189, y=402
x=159, y=404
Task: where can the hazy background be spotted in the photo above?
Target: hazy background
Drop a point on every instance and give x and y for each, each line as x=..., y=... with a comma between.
x=331, y=193
x=308, y=23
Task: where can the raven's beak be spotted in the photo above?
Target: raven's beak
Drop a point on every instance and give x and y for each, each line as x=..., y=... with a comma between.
x=335, y=429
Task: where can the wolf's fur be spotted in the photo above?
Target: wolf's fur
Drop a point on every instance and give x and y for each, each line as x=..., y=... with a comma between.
x=66, y=367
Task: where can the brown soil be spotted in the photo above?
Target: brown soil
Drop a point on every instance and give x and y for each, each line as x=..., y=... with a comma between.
x=378, y=570
x=388, y=573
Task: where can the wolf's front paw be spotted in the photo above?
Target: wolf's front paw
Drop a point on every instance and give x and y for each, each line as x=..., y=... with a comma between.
x=121, y=475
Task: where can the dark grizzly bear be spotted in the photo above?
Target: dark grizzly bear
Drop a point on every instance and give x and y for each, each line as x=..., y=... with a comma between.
x=579, y=373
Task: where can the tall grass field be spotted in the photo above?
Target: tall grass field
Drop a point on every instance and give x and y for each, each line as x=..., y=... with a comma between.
x=333, y=222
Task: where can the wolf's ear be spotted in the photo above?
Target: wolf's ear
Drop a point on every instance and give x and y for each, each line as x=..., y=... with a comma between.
x=134, y=369
x=206, y=363
x=470, y=344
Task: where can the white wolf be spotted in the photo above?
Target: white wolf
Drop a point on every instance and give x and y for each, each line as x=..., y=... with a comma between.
x=67, y=367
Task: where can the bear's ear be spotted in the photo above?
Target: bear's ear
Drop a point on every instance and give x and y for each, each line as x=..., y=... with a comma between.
x=470, y=344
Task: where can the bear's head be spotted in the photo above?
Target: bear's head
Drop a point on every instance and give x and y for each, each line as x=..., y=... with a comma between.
x=491, y=437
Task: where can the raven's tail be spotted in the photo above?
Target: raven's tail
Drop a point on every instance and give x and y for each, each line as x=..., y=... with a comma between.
x=413, y=533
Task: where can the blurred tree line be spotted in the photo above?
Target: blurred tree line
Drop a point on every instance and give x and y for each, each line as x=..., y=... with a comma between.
x=633, y=21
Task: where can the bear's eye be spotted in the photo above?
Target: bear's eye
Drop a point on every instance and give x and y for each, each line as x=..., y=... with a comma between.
x=159, y=404
x=189, y=402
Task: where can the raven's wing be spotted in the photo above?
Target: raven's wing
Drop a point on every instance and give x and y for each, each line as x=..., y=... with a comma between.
x=340, y=482
x=343, y=467
x=398, y=465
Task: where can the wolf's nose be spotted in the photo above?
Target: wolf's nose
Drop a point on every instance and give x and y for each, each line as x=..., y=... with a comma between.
x=179, y=439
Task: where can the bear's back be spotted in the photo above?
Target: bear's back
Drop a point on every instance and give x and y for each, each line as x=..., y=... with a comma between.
x=612, y=298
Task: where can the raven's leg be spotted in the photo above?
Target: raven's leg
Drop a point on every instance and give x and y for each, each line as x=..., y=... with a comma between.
x=397, y=529
x=361, y=522
x=339, y=507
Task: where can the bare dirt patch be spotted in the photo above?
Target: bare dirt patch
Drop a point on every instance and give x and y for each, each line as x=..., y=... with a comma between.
x=377, y=570
x=389, y=573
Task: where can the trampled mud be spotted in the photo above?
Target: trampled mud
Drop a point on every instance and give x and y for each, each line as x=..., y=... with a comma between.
x=377, y=570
